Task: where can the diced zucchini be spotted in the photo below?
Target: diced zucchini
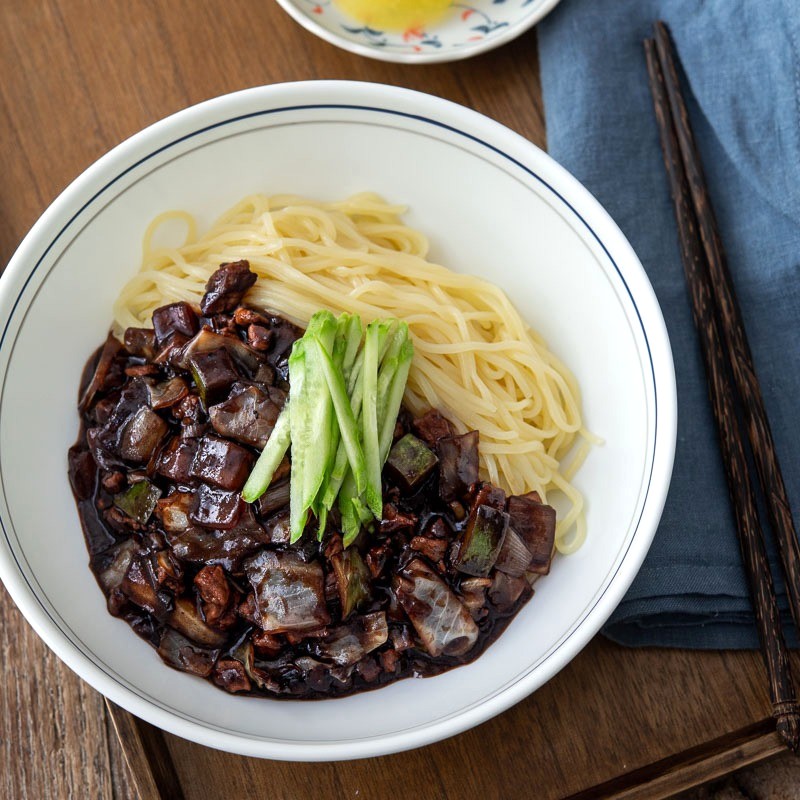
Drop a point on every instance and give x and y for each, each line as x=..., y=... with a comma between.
x=482, y=541
x=410, y=462
x=139, y=501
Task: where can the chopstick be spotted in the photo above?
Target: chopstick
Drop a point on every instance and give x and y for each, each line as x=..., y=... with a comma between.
x=700, y=282
x=734, y=335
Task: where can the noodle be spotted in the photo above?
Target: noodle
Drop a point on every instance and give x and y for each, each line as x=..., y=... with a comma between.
x=475, y=358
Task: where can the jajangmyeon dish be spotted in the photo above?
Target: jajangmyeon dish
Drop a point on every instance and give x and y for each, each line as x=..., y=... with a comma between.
x=312, y=462
x=475, y=356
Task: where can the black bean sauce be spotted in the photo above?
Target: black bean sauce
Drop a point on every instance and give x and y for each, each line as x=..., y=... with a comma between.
x=171, y=424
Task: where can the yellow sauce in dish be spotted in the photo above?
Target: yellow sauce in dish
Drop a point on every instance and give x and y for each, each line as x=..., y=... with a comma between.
x=395, y=15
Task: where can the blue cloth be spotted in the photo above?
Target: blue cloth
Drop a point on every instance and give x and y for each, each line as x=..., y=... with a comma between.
x=742, y=68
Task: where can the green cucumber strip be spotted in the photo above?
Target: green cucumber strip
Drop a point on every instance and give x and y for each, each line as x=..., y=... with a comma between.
x=389, y=366
x=351, y=525
x=340, y=467
x=387, y=326
x=362, y=512
x=271, y=456
x=341, y=463
x=311, y=419
x=337, y=461
x=323, y=323
x=352, y=509
x=344, y=416
x=354, y=334
x=394, y=342
x=343, y=325
x=340, y=354
x=297, y=524
x=318, y=409
x=322, y=521
x=354, y=389
x=318, y=505
x=297, y=373
x=394, y=398
x=340, y=340
x=355, y=372
x=375, y=338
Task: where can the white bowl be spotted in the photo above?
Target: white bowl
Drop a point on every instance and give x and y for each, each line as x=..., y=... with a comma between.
x=493, y=204
x=472, y=27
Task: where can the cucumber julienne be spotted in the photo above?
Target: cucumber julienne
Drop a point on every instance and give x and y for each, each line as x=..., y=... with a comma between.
x=346, y=388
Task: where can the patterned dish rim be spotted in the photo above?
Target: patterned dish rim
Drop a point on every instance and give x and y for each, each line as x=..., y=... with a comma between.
x=420, y=47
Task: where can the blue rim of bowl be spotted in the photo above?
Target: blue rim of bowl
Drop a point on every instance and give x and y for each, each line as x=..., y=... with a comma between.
x=533, y=16
x=288, y=749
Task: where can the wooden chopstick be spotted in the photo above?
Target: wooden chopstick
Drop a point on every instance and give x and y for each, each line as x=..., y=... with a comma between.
x=734, y=335
x=751, y=538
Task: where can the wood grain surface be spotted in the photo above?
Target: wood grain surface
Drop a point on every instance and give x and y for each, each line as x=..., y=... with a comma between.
x=77, y=78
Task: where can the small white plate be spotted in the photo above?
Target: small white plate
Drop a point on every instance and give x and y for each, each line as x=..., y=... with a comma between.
x=471, y=27
x=493, y=205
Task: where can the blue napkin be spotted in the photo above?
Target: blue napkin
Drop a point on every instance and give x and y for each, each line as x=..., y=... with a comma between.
x=742, y=67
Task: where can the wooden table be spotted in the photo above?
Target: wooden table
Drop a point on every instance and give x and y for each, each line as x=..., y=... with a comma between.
x=78, y=76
